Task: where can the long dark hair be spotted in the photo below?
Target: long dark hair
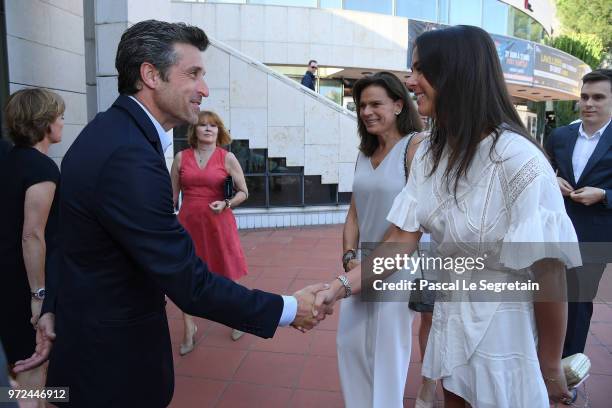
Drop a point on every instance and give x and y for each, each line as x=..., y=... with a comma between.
x=472, y=100
x=408, y=120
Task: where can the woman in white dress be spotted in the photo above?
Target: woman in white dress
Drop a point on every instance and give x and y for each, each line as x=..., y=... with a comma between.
x=374, y=349
x=480, y=180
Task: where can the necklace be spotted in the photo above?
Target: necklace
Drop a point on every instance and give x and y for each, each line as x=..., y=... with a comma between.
x=201, y=158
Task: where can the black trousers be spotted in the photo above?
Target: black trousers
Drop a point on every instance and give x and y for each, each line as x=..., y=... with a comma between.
x=582, y=286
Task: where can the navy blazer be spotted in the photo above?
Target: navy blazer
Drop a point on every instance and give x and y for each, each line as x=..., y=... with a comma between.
x=121, y=250
x=592, y=223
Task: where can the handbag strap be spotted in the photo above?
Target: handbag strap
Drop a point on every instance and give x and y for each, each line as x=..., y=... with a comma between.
x=406, y=165
x=406, y=173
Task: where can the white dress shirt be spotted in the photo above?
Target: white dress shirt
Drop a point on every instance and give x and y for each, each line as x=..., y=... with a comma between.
x=164, y=138
x=289, y=302
x=584, y=148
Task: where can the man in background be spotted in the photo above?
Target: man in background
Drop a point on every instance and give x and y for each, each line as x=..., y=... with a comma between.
x=581, y=153
x=308, y=80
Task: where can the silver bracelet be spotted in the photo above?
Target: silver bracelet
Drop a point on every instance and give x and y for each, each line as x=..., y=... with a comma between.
x=347, y=286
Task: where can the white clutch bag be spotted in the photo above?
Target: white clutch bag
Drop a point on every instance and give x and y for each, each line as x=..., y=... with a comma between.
x=576, y=368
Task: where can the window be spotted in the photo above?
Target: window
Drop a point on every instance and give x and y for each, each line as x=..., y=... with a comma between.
x=344, y=198
x=331, y=4
x=252, y=161
x=518, y=24
x=465, y=12
x=257, y=191
x=179, y=136
x=418, y=9
x=222, y=1
x=285, y=191
x=316, y=193
x=271, y=182
x=443, y=11
x=298, y=3
x=536, y=32
x=495, y=17
x=331, y=89
x=378, y=6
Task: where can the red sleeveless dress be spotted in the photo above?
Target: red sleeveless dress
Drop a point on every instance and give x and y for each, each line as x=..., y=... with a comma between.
x=215, y=236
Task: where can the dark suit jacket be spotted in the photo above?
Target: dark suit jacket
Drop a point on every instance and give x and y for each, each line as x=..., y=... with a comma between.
x=308, y=80
x=121, y=250
x=5, y=147
x=592, y=223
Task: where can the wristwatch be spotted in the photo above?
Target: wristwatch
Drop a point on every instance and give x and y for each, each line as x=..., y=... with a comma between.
x=38, y=294
x=228, y=203
x=348, y=256
x=346, y=284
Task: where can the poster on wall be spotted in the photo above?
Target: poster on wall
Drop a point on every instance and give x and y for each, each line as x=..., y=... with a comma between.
x=516, y=58
x=523, y=62
x=557, y=70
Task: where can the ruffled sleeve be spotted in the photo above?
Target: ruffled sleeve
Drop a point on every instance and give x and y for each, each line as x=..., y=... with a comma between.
x=539, y=225
x=403, y=213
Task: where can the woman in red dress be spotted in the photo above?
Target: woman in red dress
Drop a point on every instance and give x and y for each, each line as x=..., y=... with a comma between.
x=199, y=172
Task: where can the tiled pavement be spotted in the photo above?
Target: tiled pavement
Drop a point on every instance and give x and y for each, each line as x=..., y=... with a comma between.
x=299, y=370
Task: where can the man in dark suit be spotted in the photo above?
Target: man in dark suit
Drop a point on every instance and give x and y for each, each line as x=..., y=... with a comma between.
x=582, y=155
x=5, y=147
x=121, y=247
x=309, y=79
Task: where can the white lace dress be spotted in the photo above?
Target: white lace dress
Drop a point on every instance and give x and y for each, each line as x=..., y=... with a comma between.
x=486, y=352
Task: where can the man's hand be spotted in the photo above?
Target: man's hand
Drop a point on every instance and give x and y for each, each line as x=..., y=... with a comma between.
x=566, y=188
x=45, y=335
x=588, y=195
x=307, y=315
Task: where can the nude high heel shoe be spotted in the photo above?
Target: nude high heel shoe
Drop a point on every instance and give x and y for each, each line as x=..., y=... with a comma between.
x=236, y=334
x=188, y=348
x=426, y=397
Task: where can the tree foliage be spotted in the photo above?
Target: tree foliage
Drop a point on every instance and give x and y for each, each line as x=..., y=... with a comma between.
x=587, y=47
x=587, y=17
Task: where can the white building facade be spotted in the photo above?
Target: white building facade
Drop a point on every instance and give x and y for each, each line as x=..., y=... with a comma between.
x=297, y=147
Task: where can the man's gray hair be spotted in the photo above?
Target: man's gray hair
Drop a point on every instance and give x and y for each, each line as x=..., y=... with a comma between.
x=152, y=41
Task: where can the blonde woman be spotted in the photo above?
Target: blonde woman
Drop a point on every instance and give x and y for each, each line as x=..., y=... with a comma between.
x=28, y=215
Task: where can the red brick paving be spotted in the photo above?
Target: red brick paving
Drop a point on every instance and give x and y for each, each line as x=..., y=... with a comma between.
x=299, y=370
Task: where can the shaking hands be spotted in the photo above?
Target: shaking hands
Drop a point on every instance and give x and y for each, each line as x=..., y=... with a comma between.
x=315, y=302
x=308, y=314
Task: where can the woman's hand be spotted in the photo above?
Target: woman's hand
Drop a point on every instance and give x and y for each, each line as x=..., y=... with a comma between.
x=352, y=264
x=556, y=385
x=217, y=206
x=36, y=306
x=328, y=297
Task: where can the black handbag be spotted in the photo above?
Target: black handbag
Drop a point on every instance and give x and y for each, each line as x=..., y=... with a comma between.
x=228, y=188
x=422, y=300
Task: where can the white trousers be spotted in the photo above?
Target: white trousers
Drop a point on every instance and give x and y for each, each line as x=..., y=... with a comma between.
x=374, y=342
